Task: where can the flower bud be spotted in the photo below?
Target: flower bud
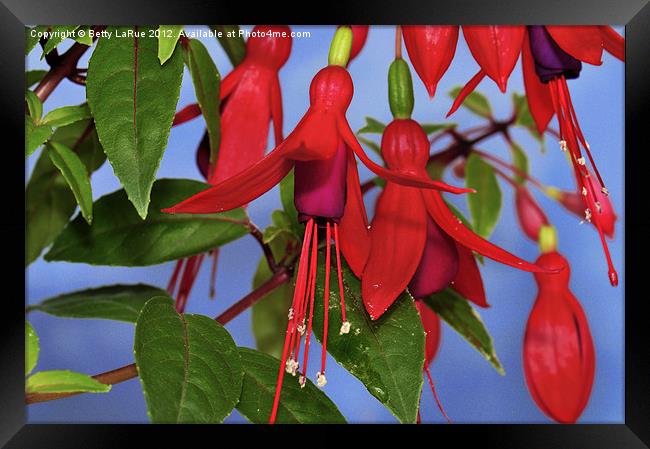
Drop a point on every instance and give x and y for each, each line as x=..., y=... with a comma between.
x=341, y=47
x=400, y=89
x=531, y=217
x=559, y=358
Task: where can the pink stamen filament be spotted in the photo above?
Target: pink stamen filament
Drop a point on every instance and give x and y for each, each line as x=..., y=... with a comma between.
x=338, y=269
x=568, y=128
x=326, y=297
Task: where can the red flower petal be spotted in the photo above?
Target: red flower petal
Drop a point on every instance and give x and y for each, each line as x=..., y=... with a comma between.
x=186, y=114
x=355, y=237
x=559, y=357
x=468, y=281
x=231, y=80
x=276, y=109
x=496, y=49
x=239, y=189
x=432, y=328
x=405, y=179
x=466, y=90
x=397, y=234
x=359, y=36
x=613, y=42
x=538, y=96
x=431, y=50
x=582, y=42
x=463, y=235
x=244, y=124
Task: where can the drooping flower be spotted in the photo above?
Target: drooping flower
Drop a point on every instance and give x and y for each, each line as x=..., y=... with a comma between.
x=559, y=358
x=252, y=97
x=530, y=215
x=428, y=247
x=327, y=196
x=431, y=49
x=574, y=202
x=557, y=53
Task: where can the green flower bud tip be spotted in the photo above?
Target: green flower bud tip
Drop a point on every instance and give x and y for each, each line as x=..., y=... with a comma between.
x=400, y=89
x=340, y=47
x=547, y=239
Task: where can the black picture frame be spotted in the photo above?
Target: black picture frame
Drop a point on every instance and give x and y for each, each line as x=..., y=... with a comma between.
x=634, y=14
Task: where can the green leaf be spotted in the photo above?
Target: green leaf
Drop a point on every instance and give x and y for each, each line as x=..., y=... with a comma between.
x=231, y=42
x=189, y=366
x=430, y=128
x=308, y=405
x=35, y=135
x=386, y=355
x=32, y=348
x=133, y=100
x=474, y=102
x=206, y=80
x=281, y=225
x=168, y=36
x=64, y=382
x=76, y=175
x=66, y=115
x=31, y=38
x=485, y=204
x=34, y=106
x=372, y=145
x=50, y=202
x=372, y=126
x=519, y=160
x=524, y=117
x=58, y=36
x=286, y=197
x=269, y=315
x=114, y=302
x=83, y=35
x=33, y=76
x=464, y=319
x=120, y=237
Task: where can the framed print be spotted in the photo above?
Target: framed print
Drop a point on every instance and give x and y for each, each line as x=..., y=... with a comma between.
x=414, y=213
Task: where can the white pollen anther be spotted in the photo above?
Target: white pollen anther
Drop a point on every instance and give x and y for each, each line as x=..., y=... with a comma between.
x=302, y=381
x=584, y=191
x=292, y=366
x=345, y=328
x=581, y=161
x=320, y=379
x=563, y=146
x=290, y=313
x=301, y=328
x=605, y=191
x=588, y=215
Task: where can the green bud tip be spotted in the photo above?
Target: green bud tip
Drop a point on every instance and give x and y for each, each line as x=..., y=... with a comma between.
x=400, y=89
x=340, y=47
x=547, y=239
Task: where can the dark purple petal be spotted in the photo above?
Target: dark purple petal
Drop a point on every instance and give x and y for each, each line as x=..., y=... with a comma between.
x=550, y=60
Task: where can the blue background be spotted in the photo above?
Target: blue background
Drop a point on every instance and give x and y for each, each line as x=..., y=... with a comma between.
x=470, y=389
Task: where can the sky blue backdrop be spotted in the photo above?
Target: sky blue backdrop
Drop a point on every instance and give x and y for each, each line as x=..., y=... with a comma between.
x=469, y=387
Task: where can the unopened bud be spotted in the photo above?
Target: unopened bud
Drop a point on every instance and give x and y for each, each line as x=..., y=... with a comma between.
x=340, y=47
x=400, y=89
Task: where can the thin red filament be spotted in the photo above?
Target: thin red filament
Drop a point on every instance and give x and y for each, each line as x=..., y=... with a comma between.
x=435, y=395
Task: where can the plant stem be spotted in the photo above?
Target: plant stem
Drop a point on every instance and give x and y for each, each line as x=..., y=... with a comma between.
x=398, y=42
x=268, y=253
x=128, y=372
x=66, y=65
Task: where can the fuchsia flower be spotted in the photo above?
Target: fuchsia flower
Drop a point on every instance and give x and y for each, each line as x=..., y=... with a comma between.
x=559, y=358
x=427, y=245
x=531, y=217
x=251, y=97
x=327, y=195
x=431, y=50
